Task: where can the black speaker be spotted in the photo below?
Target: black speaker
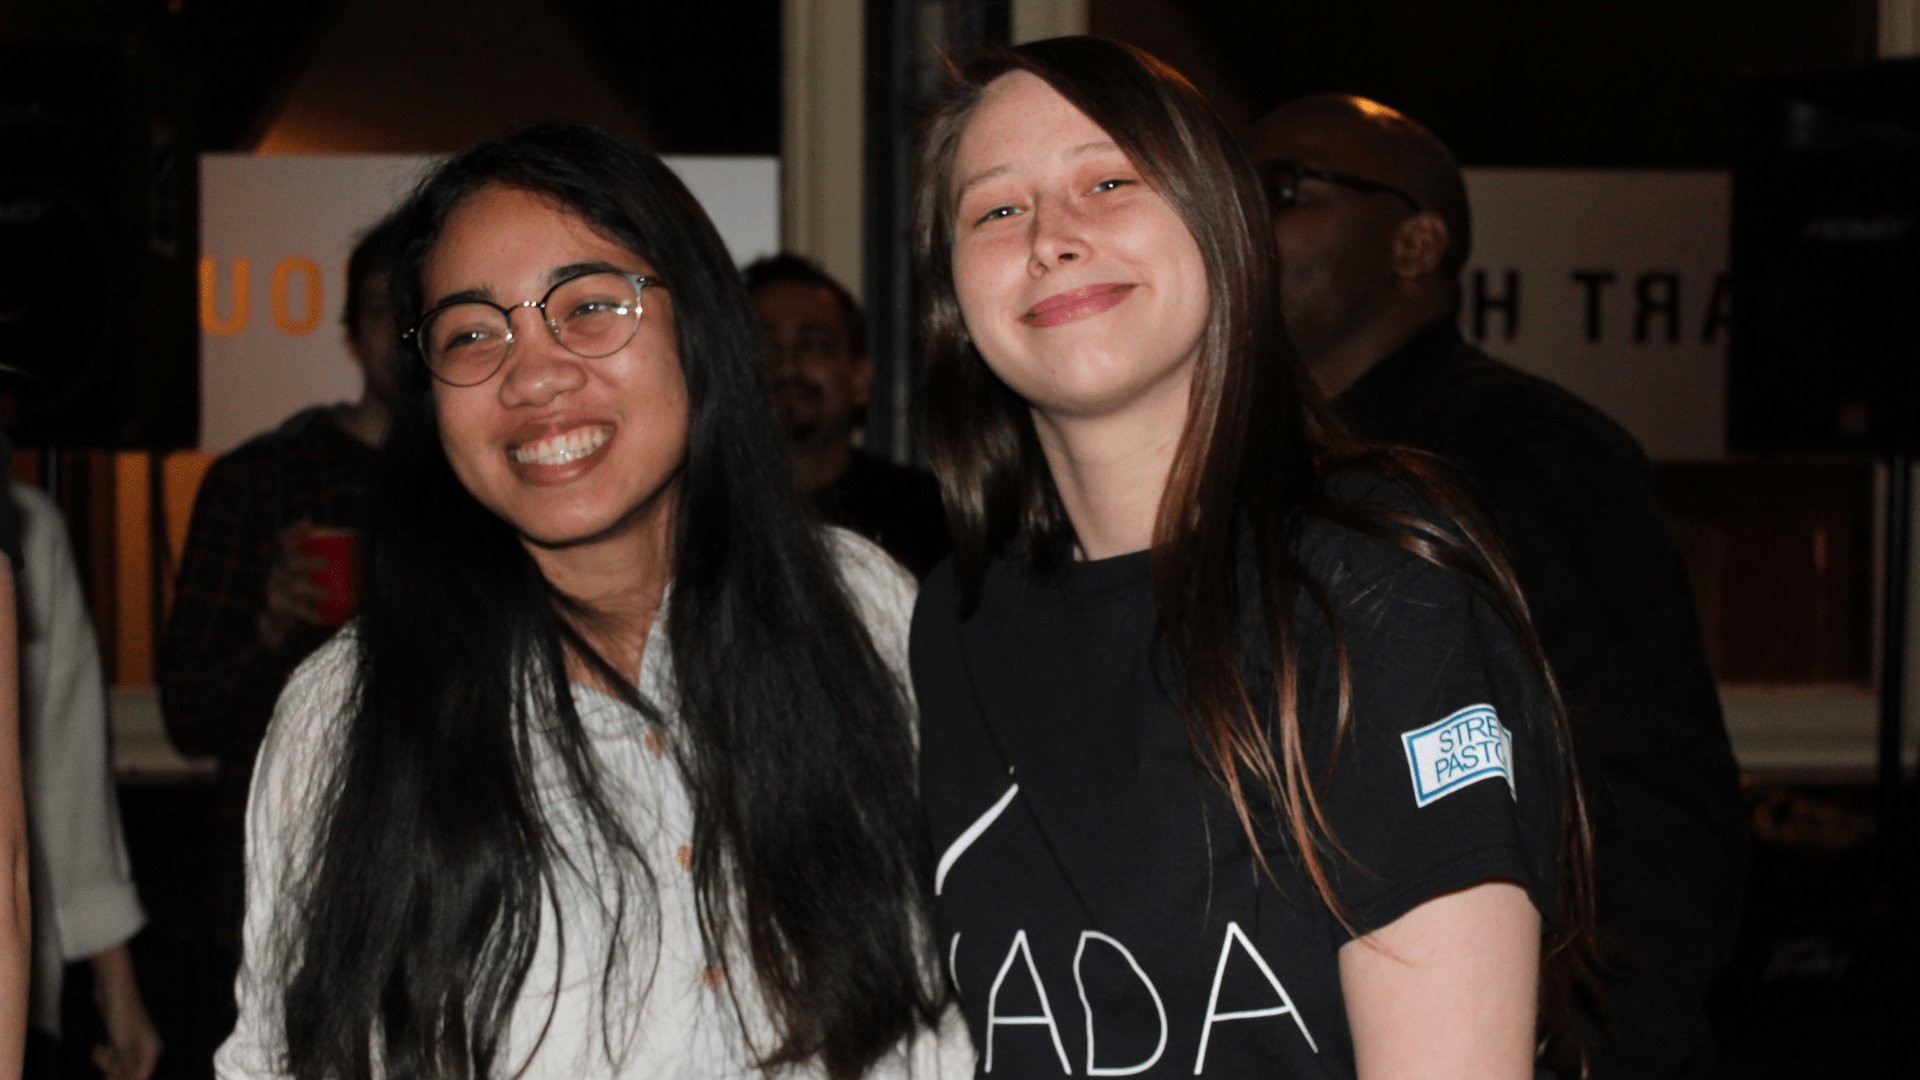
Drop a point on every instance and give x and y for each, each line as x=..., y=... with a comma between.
x=98, y=242
x=1824, y=353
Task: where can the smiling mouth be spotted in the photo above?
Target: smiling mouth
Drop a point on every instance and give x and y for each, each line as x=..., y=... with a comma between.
x=562, y=448
x=1069, y=306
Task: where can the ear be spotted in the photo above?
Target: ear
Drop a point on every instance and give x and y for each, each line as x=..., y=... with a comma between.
x=862, y=380
x=1419, y=243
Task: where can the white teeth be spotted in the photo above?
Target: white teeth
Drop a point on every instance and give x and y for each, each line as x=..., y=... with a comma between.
x=560, y=449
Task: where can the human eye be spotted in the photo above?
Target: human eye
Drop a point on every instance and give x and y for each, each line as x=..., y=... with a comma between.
x=597, y=305
x=1113, y=183
x=996, y=214
x=818, y=342
x=459, y=330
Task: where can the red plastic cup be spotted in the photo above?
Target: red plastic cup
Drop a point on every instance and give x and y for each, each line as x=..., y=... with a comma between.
x=340, y=547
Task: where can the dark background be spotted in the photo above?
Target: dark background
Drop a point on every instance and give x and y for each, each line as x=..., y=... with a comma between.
x=1505, y=82
x=1588, y=83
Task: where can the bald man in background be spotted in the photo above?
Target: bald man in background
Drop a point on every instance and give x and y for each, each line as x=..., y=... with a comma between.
x=1373, y=225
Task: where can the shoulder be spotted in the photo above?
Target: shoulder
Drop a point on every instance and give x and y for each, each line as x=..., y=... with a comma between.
x=47, y=557
x=1492, y=404
x=882, y=590
x=40, y=519
x=266, y=447
x=1367, y=572
x=310, y=720
x=239, y=465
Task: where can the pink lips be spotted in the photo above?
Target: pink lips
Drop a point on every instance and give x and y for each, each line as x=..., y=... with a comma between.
x=1067, y=307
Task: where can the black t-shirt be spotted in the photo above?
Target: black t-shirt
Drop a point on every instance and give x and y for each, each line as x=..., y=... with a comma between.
x=1098, y=905
x=891, y=505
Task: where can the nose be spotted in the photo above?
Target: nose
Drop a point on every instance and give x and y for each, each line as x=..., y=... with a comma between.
x=782, y=355
x=539, y=369
x=1056, y=237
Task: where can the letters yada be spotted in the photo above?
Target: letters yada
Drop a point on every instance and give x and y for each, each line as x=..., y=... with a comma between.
x=1462, y=748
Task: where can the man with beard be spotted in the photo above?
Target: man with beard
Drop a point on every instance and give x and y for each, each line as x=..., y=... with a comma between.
x=818, y=374
x=1371, y=216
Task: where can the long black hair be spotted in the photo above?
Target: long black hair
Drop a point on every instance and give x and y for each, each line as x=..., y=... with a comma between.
x=418, y=912
x=1255, y=460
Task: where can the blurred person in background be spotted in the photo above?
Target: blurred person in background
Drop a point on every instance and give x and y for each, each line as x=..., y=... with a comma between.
x=85, y=904
x=819, y=373
x=1371, y=215
x=244, y=612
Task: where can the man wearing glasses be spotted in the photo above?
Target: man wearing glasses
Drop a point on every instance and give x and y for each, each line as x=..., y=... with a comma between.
x=1371, y=216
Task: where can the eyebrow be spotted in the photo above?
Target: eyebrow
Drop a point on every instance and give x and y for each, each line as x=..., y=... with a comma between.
x=1082, y=150
x=561, y=273
x=554, y=277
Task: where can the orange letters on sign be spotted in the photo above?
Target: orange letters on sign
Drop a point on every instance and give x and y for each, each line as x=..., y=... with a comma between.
x=282, y=317
x=210, y=319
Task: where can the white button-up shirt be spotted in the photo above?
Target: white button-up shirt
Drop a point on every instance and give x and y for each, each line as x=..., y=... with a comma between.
x=669, y=1012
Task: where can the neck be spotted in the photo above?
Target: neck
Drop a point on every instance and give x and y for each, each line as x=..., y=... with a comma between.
x=365, y=420
x=1112, y=471
x=1337, y=365
x=817, y=464
x=622, y=578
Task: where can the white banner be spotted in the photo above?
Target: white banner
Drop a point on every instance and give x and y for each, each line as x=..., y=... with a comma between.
x=275, y=232
x=1614, y=285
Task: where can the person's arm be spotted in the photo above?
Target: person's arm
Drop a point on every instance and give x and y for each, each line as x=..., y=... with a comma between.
x=87, y=884
x=1447, y=990
x=16, y=917
x=133, y=1046
x=222, y=660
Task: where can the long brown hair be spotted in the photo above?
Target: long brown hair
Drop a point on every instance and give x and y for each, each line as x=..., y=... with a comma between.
x=1258, y=450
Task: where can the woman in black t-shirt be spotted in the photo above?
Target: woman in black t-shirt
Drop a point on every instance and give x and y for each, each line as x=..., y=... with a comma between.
x=1239, y=753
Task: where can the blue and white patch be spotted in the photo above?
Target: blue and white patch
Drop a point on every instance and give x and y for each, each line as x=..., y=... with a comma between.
x=1464, y=748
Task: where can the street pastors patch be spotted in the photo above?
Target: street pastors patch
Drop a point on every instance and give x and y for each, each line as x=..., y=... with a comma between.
x=1464, y=748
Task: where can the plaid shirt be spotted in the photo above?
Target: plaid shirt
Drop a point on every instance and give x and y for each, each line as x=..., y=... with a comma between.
x=218, y=680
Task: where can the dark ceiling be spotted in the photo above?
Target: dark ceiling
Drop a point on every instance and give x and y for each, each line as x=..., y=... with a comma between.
x=718, y=64
x=1506, y=82
x=1617, y=83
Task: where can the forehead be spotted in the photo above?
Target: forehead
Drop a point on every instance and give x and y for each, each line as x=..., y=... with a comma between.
x=1022, y=123
x=798, y=302
x=503, y=238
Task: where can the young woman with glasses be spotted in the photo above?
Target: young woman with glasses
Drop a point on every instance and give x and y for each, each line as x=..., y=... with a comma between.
x=1239, y=754
x=613, y=773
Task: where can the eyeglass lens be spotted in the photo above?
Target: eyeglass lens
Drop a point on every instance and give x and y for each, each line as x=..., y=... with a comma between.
x=1282, y=186
x=591, y=316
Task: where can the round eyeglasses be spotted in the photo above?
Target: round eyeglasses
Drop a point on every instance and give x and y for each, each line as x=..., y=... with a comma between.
x=1281, y=179
x=465, y=341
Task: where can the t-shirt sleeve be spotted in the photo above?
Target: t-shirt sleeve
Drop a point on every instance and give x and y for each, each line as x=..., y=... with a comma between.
x=1450, y=771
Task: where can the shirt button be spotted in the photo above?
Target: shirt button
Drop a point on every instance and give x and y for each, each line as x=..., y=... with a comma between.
x=685, y=857
x=713, y=977
x=654, y=744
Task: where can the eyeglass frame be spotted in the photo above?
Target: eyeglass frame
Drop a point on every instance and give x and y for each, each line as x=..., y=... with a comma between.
x=1300, y=170
x=412, y=335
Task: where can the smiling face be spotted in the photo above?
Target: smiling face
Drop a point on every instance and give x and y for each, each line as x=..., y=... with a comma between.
x=818, y=381
x=572, y=452
x=1081, y=286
